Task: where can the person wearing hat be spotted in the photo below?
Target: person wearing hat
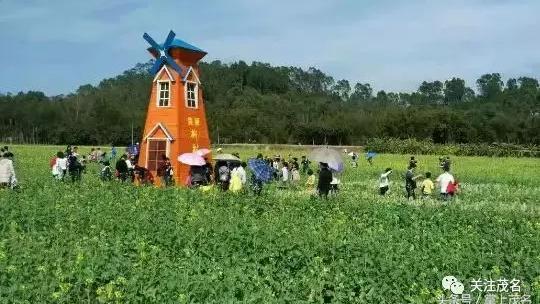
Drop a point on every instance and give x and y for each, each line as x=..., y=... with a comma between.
x=7, y=171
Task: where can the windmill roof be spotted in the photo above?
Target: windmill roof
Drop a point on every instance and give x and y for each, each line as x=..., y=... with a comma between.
x=184, y=45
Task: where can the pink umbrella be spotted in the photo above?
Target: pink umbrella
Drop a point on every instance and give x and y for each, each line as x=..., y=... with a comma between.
x=203, y=151
x=192, y=159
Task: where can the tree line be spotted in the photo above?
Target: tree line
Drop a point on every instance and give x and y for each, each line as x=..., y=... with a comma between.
x=260, y=103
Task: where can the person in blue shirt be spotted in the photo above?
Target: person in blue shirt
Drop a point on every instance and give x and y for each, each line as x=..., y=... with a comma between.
x=113, y=152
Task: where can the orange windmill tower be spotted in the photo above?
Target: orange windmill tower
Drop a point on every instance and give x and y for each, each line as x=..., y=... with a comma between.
x=176, y=119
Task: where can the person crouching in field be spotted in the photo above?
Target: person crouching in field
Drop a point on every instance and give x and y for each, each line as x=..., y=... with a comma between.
x=443, y=181
x=325, y=178
x=384, y=181
x=427, y=186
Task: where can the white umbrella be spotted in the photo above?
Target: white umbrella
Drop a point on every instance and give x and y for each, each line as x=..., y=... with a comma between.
x=226, y=156
x=326, y=155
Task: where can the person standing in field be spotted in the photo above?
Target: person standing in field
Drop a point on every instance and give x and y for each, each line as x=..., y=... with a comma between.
x=208, y=170
x=305, y=164
x=285, y=173
x=384, y=181
x=59, y=168
x=295, y=173
x=354, y=159
x=122, y=171
x=443, y=181
x=7, y=171
x=113, y=152
x=74, y=166
x=325, y=178
x=410, y=182
x=310, y=182
x=106, y=172
x=197, y=176
x=236, y=179
x=224, y=174
x=427, y=186
x=242, y=173
x=413, y=162
x=52, y=163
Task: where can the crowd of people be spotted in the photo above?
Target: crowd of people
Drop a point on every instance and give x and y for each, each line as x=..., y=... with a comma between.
x=232, y=175
x=447, y=184
x=70, y=165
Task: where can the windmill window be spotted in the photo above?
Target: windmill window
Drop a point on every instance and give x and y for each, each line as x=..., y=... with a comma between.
x=191, y=95
x=164, y=93
x=156, y=149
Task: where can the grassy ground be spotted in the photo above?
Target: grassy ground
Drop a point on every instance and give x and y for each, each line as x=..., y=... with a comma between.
x=113, y=243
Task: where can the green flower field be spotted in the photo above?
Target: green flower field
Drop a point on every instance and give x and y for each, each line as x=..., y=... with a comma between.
x=98, y=242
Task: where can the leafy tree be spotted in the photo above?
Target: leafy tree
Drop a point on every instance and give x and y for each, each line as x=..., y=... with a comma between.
x=342, y=89
x=490, y=85
x=432, y=92
x=362, y=92
x=454, y=90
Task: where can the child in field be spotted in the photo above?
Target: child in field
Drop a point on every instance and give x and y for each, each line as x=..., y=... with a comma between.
x=384, y=182
x=310, y=183
x=427, y=186
x=453, y=188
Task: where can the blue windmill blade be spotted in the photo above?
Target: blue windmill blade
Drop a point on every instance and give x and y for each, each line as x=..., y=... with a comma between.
x=169, y=40
x=157, y=65
x=151, y=42
x=173, y=64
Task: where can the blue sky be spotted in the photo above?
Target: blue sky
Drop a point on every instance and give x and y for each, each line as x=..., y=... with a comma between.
x=56, y=46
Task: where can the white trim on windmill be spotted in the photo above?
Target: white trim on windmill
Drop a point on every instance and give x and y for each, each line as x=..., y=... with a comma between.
x=194, y=73
x=162, y=127
x=158, y=74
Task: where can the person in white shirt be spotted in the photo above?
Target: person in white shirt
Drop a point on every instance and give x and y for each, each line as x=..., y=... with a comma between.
x=241, y=171
x=285, y=172
x=384, y=182
x=7, y=172
x=60, y=167
x=443, y=181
